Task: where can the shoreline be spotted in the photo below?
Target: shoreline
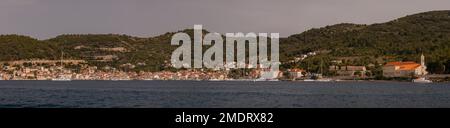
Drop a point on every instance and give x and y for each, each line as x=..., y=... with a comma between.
x=293, y=81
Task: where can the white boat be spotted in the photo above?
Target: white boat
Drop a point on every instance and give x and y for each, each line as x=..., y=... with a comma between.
x=339, y=80
x=61, y=76
x=62, y=79
x=242, y=80
x=214, y=80
x=309, y=80
x=262, y=79
x=119, y=79
x=318, y=80
x=324, y=80
x=422, y=80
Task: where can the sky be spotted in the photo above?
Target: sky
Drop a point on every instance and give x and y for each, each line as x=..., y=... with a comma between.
x=45, y=19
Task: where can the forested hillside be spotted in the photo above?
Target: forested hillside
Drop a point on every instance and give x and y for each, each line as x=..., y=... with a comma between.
x=401, y=39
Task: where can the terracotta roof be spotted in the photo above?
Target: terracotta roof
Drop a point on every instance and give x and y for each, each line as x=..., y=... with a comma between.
x=398, y=63
x=409, y=65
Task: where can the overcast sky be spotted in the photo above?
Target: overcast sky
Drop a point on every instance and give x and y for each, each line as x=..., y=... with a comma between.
x=48, y=18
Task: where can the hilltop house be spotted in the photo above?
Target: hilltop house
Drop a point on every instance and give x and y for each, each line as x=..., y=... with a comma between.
x=405, y=69
x=349, y=70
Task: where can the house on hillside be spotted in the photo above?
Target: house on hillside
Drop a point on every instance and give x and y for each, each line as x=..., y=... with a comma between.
x=405, y=69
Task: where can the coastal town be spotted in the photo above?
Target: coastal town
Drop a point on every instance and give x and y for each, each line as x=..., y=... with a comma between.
x=52, y=70
x=398, y=50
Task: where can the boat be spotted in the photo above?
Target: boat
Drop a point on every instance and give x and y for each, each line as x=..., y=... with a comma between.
x=309, y=80
x=267, y=76
x=61, y=78
x=324, y=80
x=318, y=80
x=318, y=77
x=421, y=80
x=213, y=80
x=119, y=79
x=262, y=79
x=339, y=80
x=58, y=79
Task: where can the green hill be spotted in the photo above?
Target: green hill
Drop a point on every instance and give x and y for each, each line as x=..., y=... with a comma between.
x=401, y=39
x=16, y=47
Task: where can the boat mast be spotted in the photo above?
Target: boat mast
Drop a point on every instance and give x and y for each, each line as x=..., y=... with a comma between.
x=62, y=57
x=321, y=66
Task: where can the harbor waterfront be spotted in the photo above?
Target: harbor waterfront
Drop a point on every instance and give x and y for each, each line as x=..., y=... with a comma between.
x=213, y=94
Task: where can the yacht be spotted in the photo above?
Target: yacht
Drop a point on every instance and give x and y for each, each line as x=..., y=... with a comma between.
x=62, y=78
x=421, y=80
x=309, y=80
x=265, y=79
x=318, y=80
x=324, y=80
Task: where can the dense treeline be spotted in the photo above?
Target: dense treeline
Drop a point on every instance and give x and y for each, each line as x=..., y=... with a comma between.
x=402, y=39
x=17, y=47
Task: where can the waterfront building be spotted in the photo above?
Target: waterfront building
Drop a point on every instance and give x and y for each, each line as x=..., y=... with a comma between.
x=296, y=73
x=405, y=69
x=349, y=70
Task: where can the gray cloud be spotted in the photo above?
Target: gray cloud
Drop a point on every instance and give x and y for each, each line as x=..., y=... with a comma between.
x=48, y=18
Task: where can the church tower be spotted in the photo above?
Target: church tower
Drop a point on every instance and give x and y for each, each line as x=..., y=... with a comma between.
x=422, y=65
x=422, y=60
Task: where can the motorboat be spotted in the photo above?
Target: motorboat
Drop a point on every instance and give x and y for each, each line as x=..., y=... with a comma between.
x=422, y=80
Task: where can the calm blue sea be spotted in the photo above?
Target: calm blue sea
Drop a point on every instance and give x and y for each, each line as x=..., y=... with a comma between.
x=187, y=94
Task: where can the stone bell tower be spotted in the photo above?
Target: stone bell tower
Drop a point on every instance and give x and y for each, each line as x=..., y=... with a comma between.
x=422, y=60
x=423, y=70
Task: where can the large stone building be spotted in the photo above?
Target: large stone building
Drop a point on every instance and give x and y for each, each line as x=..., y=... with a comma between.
x=349, y=70
x=405, y=69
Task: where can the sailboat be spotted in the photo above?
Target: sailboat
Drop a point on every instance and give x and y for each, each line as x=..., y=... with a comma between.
x=320, y=78
x=61, y=76
x=421, y=80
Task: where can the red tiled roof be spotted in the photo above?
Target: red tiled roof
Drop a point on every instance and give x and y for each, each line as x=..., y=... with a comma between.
x=409, y=65
x=399, y=63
